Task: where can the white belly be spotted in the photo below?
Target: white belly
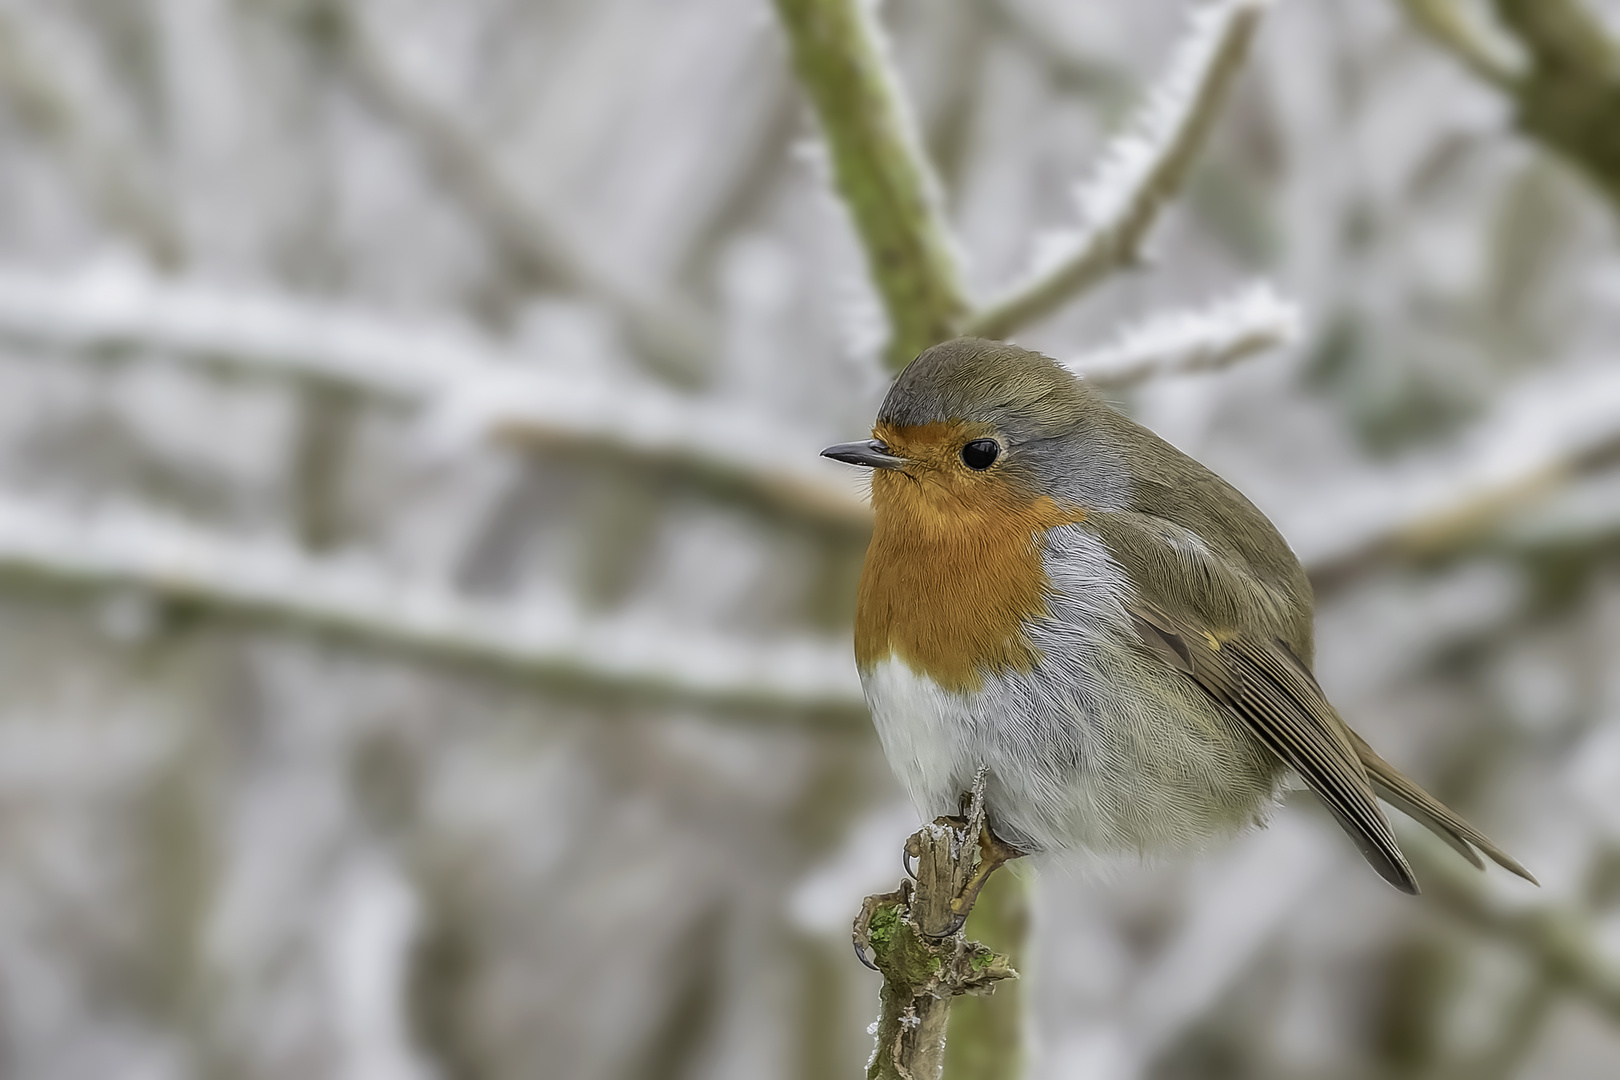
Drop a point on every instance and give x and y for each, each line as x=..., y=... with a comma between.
x=1072, y=764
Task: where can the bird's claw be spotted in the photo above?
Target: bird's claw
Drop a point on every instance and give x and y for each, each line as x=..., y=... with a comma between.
x=861, y=931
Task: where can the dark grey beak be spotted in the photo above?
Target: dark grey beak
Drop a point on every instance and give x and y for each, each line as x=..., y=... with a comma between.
x=873, y=453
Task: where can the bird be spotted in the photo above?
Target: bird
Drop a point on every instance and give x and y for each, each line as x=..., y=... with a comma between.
x=1119, y=639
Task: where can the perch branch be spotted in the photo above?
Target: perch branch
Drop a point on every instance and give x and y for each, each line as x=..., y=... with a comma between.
x=917, y=943
x=486, y=391
x=1206, y=339
x=551, y=642
x=880, y=170
x=1141, y=170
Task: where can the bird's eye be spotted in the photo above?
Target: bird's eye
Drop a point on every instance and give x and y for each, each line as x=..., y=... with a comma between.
x=980, y=453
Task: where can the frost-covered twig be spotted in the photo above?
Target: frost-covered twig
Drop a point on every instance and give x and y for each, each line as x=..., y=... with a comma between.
x=668, y=334
x=476, y=389
x=1140, y=171
x=1201, y=339
x=879, y=167
x=1549, y=433
x=550, y=640
x=49, y=106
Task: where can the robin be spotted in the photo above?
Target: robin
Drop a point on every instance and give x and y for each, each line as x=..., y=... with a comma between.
x=1113, y=632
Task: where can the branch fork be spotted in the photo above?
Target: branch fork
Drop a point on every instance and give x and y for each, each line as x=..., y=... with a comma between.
x=915, y=938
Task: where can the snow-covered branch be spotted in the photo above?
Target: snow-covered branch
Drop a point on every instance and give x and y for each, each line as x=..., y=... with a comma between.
x=1199, y=339
x=464, y=384
x=1551, y=432
x=550, y=640
x=1141, y=170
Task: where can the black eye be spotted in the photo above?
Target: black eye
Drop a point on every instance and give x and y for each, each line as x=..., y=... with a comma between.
x=980, y=453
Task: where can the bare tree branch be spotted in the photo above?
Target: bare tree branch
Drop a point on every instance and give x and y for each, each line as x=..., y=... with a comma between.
x=880, y=170
x=1141, y=170
x=550, y=641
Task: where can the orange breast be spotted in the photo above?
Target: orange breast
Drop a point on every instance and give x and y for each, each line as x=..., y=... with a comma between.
x=953, y=573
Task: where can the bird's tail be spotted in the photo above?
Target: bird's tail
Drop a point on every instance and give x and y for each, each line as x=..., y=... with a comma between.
x=1395, y=788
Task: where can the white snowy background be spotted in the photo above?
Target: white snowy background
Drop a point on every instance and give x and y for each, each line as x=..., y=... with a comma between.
x=424, y=619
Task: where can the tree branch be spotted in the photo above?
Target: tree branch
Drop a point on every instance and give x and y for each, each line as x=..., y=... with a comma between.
x=1546, y=437
x=1566, y=84
x=879, y=168
x=1141, y=170
x=1570, y=97
x=478, y=390
x=552, y=642
x=1452, y=27
x=918, y=944
x=1207, y=339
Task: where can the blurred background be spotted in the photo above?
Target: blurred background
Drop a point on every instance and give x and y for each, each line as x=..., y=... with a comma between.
x=424, y=620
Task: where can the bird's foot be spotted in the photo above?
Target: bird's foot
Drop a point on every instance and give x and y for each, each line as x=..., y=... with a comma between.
x=994, y=853
x=862, y=931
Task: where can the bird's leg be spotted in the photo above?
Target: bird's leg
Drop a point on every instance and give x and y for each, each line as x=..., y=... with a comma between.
x=994, y=853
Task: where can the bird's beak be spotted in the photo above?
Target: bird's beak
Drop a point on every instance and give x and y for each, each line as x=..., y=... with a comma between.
x=873, y=453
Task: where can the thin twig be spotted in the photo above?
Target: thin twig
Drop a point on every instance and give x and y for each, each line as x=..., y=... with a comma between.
x=548, y=640
x=1204, y=339
x=1141, y=171
x=880, y=170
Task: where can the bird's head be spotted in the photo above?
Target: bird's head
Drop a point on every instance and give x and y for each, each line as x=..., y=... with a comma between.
x=974, y=425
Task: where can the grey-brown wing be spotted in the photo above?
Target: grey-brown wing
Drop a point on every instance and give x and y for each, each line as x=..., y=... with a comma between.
x=1260, y=683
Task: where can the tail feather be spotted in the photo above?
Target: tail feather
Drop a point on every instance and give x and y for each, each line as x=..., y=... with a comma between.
x=1398, y=790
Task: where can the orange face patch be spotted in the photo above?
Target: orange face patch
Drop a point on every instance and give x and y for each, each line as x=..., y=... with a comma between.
x=954, y=569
